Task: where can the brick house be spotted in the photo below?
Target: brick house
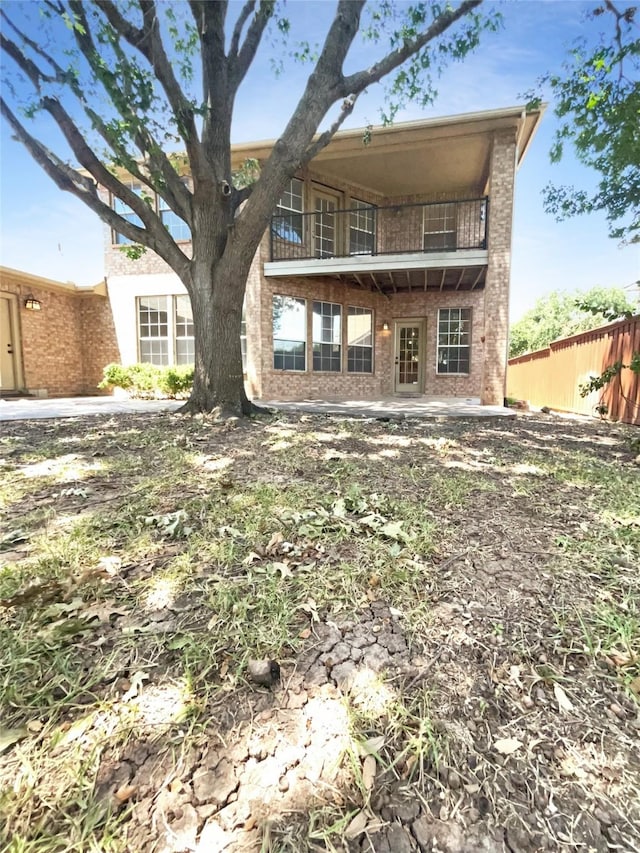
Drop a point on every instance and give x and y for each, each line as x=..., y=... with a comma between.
x=385, y=270
x=55, y=337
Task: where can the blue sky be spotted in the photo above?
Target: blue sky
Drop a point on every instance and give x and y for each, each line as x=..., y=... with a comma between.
x=47, y=232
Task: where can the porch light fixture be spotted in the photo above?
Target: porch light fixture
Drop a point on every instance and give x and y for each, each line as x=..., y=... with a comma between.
x=385, y=326
x=32, y=304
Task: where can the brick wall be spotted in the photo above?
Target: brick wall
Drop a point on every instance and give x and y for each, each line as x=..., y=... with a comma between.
x=64, y=346
x=292, y=385
x=496, y=293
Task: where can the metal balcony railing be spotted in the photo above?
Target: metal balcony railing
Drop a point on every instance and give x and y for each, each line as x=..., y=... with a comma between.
x=445, y=226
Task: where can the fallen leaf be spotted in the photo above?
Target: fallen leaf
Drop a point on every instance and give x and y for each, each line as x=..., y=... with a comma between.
x=374, y=580
x=283, y=568
x=274, y=543
x=10, y=736
x=125, y=792
x=137, y=680
x=371, y=746
x=507, y=745
x=369, y=768
x=564, y=703
x=393, y=530
x=35, y=726
x=357, y=826
x=634, y=686
x=305, y=634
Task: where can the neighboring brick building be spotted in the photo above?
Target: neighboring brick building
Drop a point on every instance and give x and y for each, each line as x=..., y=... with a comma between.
x=55, y=338
x=385, y=271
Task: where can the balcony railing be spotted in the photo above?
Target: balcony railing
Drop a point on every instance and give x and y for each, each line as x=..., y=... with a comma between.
x=446, y=226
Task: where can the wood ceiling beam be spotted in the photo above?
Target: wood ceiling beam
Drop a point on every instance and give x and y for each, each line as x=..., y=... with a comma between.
x=477, y=279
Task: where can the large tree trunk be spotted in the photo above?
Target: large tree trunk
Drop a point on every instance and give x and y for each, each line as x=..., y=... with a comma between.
x=216, y=296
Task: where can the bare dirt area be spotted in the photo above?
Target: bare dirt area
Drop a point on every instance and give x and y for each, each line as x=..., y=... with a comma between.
x=312, y=633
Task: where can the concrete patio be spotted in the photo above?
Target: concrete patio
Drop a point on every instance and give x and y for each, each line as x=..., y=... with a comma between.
x=397, y=408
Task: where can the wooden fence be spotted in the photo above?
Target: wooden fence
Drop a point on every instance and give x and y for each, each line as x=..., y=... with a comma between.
x=551, y=376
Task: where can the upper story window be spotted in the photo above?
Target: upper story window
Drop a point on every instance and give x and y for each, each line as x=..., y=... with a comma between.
x=454, y=340
x=288, y=221
x=177, y=227
x=362, y=228
x=126, y=213
x=440, y=231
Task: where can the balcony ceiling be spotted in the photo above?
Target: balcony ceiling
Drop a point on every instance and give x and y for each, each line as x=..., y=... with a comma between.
x=443, y=155
x=434, y=280
x=437, y=166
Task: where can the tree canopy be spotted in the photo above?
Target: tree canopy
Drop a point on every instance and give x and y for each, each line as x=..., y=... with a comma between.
x=560, y=314
x=130, y=84
x=597, y=99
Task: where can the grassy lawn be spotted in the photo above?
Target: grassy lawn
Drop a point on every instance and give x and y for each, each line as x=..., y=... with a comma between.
x=453, y=607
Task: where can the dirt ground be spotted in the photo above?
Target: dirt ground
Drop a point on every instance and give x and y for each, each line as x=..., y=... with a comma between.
x=457, y=669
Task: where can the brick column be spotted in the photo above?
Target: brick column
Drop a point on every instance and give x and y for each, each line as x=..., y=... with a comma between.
x=496, y=293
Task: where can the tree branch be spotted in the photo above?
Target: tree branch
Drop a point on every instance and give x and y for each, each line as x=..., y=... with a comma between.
x=170, y=187
x=354, y=84
x=243, y=17
x=70, y=180
x=325, y=138
x=148, y=42
x=241, y=64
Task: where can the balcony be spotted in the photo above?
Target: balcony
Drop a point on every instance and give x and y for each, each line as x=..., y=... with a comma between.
x=434, y=246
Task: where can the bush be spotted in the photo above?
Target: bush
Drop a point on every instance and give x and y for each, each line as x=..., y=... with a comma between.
x=149, y=380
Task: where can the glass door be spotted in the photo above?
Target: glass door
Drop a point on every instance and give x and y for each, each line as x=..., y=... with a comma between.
x=409, y=356
x=325, y=225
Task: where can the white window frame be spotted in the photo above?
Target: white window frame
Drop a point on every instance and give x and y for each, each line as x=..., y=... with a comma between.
x=303, y=341
x=362, y=310
x=447, y=346
x=357, y=208
x=320, y=342
x=170, y=302
x=450, y=211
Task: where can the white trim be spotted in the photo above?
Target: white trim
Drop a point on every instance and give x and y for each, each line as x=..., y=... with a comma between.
x=378, y=263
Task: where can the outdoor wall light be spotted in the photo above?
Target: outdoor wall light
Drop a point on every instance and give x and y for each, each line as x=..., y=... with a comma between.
x=385, y=326
x=32, y=304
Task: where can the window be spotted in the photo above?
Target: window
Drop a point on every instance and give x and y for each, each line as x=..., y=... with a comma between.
x=177, y=227
x=287, y=224
x=325, y=226
x=243, y=338
x=327, y=336
x=165, y=330
x=126, y=213
x=440, y=226
x=185, y=349
x=153, y=328
x=289, y=333
x=362, y=228
x=359, y=340
x=454, y=340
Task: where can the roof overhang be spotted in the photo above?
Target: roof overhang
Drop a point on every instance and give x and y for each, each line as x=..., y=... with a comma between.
x=27, y=280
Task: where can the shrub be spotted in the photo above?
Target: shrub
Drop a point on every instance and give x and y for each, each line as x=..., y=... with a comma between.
x=148, y=380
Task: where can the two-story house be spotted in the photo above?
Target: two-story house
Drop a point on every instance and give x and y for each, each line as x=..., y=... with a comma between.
x=385, y=269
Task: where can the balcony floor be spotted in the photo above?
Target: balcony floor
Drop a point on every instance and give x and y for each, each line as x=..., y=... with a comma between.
x=388, y=274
